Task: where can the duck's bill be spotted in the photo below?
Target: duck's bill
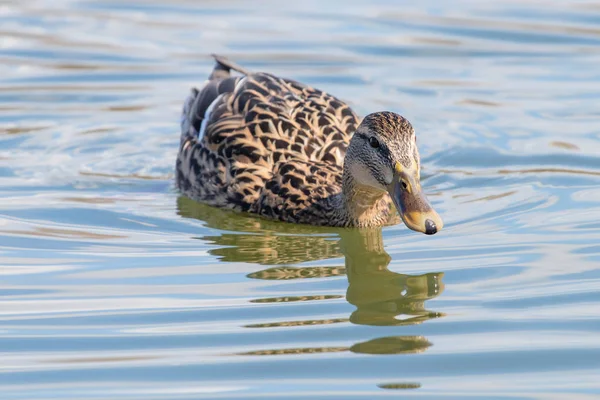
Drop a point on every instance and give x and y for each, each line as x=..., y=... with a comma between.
x=414, y=208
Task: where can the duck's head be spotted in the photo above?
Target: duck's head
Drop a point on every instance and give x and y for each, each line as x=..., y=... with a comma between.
x=383, y=156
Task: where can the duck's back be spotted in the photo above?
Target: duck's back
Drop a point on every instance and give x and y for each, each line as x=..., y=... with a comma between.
x=263, y=144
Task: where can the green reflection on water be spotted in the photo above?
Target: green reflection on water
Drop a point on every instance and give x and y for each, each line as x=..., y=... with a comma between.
x=381, y=297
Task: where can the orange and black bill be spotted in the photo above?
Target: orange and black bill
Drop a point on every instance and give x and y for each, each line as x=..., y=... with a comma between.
x=413, y=206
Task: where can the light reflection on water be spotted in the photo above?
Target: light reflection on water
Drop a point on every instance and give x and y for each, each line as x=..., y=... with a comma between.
x=114, y=286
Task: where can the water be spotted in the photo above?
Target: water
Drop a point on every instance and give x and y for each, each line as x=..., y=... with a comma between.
x=114, y=287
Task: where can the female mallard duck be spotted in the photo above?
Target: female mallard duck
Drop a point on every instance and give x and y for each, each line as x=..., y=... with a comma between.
x=281, y=149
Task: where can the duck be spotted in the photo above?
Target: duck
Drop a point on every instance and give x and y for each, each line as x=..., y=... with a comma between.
x=258, y=143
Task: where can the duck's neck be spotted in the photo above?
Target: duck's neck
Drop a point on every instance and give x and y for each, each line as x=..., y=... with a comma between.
x=362, y=206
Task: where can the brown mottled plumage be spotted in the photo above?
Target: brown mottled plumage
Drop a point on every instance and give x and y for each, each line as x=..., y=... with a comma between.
x=283, y=150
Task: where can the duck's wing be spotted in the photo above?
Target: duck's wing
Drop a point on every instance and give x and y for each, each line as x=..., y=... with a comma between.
x=295, y=117
x=236, y=131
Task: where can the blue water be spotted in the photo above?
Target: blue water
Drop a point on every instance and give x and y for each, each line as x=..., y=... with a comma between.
x=112, y=286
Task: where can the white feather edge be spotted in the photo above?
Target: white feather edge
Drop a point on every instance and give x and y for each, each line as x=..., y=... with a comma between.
x=212, y=105
x=207, y=115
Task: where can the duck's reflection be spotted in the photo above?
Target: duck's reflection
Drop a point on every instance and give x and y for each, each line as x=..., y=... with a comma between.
x=381, y=297
x=384, y=345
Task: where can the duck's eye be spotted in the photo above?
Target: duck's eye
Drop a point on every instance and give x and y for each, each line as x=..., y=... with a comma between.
x=373, y=142
x=404, y=184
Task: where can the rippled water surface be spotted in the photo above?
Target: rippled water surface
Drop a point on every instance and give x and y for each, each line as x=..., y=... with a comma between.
x=114, y=287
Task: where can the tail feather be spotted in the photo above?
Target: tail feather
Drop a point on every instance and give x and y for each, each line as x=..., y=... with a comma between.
x=224, y=65
x=198, y=102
